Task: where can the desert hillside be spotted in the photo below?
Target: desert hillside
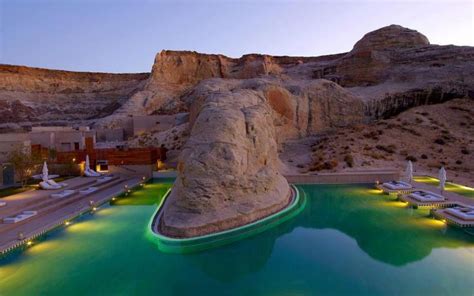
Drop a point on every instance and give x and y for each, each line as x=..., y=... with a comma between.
x=430, y=136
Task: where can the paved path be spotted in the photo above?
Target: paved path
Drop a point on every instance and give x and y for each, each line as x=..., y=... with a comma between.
x=48, y=219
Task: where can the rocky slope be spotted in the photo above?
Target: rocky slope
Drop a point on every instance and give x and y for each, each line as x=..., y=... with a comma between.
x=41, y=95
x=430, y=136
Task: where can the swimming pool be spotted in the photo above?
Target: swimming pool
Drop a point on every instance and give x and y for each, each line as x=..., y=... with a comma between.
x=347, y=240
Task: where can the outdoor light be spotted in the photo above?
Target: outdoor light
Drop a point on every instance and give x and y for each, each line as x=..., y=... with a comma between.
x=67, y=223
x=29, y=243
x=94, y=209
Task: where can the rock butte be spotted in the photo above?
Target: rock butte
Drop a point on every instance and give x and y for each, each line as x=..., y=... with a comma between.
x=242, y=110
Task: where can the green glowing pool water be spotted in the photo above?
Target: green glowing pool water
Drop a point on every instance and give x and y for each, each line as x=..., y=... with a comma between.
x=347, y=240
x=453, y=187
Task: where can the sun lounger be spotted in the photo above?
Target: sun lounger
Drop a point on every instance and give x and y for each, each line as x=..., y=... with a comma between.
x=88, y=190
x=20, y=217
x=397, y=187
x=426, y=196
x=2, y=203
x=461, y=215
x=104, y=179
x=91, y=173
x=53, y=183
x=63, y=194
x=464, y=213
x=46, y=186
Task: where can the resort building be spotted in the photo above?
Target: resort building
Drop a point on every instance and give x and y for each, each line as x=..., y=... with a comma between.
x=11, y=142
x=61, y=138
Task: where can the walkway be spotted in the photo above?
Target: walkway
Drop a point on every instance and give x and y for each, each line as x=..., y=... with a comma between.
x=51, y=217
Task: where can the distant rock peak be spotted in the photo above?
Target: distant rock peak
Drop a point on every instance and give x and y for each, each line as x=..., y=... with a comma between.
x=393, y=36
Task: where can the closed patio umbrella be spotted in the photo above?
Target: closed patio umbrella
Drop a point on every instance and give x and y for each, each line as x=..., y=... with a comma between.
x=442, y=178
x=45, y=172
x=409, y=171
x=87, y=163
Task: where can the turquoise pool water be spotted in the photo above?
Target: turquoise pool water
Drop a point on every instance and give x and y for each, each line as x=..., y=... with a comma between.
x=347, y=240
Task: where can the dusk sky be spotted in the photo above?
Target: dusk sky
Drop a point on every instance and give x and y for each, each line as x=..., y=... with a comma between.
x=124, y=36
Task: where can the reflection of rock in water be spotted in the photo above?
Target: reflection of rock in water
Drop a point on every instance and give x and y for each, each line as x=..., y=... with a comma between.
x=388, y=234
x=240, y=258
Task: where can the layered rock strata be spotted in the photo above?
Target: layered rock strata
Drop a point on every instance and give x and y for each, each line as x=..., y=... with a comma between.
x=228, y=170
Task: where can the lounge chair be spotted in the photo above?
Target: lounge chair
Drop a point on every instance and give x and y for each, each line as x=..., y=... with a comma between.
x=88, y=190
x=104, y=179
x=63, y=194
x=53, y=183
x=46, y=186
x=91, y=173
x=426, y=196
x=2, y=203
x=20, y=217
x=397, y=187
x=465, y=213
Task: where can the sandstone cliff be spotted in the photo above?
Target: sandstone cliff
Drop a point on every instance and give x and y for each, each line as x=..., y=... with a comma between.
x=32, y=94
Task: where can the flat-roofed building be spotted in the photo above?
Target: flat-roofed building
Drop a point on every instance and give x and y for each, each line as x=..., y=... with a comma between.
x=12, y=142
x=61, y=138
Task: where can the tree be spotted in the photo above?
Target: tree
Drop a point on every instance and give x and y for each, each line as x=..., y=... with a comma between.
x=24, y=163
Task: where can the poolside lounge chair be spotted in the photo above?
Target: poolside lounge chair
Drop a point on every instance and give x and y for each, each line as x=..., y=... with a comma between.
x=104, y=179
x=90, y=173
x=426, y=196
x=20, y=217
x=396, y=187
x=464, y=213
x=88, y=190
x=63, y=194
x=2, y=203
x=426, y=199
x=46, y=186
x=53, y=183
x=461, y=215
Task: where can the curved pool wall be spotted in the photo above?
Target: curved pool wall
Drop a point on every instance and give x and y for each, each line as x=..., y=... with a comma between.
x=200, y=243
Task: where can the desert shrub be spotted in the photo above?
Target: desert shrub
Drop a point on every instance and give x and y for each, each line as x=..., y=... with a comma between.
x=349, y=160
x=404, y=152
x=300, y=166
x=418, y=120
x=462, y=124
x=439, y=141
x=411, y=158
x=465, y=151
x=389, y=149
x=423, y=156
x=371, y=135
x=458, y=162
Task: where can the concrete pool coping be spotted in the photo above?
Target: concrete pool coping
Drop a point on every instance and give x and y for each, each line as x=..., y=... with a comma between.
x=168, y=244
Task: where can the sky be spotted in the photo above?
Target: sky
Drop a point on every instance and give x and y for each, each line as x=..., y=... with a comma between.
x=124, y=36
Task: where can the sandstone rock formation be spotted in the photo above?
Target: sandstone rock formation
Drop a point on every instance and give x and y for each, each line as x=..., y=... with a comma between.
x=32, y=94
x=228, y=169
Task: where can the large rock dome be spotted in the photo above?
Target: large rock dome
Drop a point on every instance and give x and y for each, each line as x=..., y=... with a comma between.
x=393, y=36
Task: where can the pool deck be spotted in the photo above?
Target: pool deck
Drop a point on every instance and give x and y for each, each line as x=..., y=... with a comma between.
x=55, y=210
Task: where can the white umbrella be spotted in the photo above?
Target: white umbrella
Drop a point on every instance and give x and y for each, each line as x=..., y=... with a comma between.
x=442, y=178
x=87, y=163
x=45, y=172
x=409, y=171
